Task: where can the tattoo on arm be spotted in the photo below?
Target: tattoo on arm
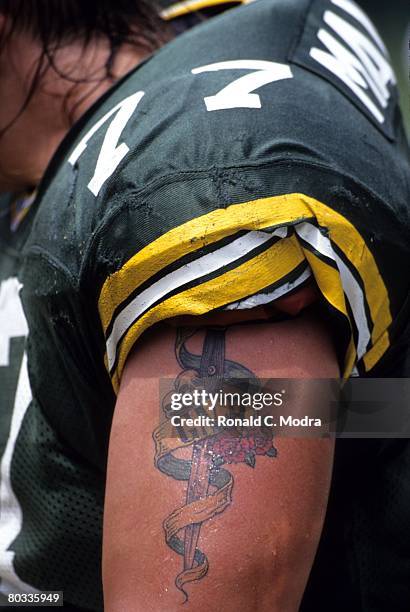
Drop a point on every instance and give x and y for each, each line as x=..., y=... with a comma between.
x=208, y=484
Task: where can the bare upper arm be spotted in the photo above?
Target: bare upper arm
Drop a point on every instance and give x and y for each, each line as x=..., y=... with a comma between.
x=255, y=544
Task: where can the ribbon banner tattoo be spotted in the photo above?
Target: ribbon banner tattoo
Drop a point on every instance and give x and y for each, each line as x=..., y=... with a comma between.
x=208, y=484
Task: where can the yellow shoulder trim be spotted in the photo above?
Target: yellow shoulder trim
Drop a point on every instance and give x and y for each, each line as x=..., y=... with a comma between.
x=260, y=214
x=189, y=6
x=249, y=278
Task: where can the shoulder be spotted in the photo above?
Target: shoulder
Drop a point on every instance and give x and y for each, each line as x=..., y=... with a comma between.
x=254, y=85
x=267, y=99
x=227, y=134
x=260, y=83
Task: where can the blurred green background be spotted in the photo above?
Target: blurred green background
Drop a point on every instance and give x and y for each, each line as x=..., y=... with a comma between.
x=392, y=19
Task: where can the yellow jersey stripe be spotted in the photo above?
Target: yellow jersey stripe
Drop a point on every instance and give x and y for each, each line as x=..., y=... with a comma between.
x=192, y=236
x=277, y=211
x=350, y=242
x=328, y=281
x=182, y=8
x=247, y=279
x=377, y=351
x=253, y=215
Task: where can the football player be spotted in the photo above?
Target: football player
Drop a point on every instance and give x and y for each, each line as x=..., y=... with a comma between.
x=229, y=203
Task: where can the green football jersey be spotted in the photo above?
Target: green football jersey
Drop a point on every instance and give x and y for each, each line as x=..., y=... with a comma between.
x=257, y=152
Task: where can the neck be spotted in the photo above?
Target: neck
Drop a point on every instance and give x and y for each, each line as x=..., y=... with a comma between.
x=91, y=88
x=77, y=78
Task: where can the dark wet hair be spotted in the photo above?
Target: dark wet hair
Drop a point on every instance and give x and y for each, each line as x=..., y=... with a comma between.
x=57, y=22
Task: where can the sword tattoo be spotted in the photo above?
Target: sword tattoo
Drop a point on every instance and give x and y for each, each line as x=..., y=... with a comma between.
x=209, y=484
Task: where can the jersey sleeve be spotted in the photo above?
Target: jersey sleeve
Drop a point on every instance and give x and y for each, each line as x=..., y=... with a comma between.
x=228, y=206
x=246, y=254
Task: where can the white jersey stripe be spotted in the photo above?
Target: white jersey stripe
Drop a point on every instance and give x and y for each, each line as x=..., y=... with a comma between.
x=189, y=272
x=351, y=287
x=228, y=254
x=266, y=298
